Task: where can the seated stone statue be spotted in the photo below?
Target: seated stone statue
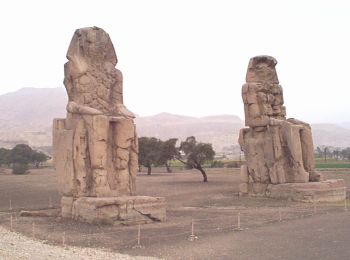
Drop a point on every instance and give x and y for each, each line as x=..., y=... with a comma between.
x=277, y=150
x=96, y=145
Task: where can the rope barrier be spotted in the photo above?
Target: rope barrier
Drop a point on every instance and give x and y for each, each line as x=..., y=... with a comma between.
x=6, y=213
x=197, y=226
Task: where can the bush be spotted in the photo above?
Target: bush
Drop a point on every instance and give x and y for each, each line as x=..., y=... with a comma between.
x=216, y=164
x=233, y=164
x=19, y=168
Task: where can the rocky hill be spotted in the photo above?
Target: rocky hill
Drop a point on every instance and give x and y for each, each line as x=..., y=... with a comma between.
x=221, y=131
x=26, y=117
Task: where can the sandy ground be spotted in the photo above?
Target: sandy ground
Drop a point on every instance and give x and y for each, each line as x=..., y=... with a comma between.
x=17, y=246
x=212, y=207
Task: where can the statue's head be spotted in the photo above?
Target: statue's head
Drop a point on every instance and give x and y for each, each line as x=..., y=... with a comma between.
x=262, y=69
x=92, y=44
x=262, y=77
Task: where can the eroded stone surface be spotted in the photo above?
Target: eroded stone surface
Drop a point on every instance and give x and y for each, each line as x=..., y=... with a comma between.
x=277, y=150
x=324, y=191
x=40, y=213
x=96, y=146
x=118, y=210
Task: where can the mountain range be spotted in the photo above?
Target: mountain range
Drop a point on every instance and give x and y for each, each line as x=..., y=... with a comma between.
x=26, y=117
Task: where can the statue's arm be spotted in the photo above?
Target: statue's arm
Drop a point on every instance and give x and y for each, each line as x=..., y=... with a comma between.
x=74, y=108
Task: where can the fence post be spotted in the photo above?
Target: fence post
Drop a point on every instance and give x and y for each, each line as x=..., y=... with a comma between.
x=64, y=239
x=138, y=237
x=33, y=229
x=192, y=237
x=315, y=207
x=345, y=205
x=280, y=214
x=239, y=221
x=50, y=202
x=10, y=204
x=11, y=222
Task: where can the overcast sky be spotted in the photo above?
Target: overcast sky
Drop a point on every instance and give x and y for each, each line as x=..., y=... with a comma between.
x=190, y=57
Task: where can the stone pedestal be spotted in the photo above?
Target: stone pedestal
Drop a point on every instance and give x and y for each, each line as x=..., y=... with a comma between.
x=127, y=210
x=324, y=191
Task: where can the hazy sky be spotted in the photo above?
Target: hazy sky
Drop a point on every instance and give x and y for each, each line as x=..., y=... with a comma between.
x=190, y=57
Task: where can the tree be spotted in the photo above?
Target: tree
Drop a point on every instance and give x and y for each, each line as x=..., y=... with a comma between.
x=319, y=152
x=21, y=155
x=4, y=156
x=336, y=154
x=149, y=152
x=168, y=152
x=196, y=154
x=38, y=158
x=345, y=153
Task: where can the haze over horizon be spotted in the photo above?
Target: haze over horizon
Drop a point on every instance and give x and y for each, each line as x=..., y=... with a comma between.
x=190, y=57
x=29, y=91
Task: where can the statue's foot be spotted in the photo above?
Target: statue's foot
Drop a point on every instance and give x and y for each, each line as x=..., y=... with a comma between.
x=316, y=176
x=301, y=176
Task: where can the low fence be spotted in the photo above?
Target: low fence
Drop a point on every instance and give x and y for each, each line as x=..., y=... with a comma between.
x=233, y=220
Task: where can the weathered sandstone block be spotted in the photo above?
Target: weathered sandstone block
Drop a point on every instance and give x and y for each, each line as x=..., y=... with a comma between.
x=324, y=191
x=116, y=210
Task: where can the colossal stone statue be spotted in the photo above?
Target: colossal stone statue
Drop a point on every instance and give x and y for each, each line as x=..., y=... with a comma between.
x=277, y=150
x=96, y=147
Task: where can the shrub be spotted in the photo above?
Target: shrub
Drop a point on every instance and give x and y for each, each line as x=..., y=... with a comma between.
x=19, y=168
x=216, y=164
x=232, y=164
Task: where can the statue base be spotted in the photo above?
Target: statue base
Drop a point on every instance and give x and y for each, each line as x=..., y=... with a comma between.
x=323, y=191
x=127, y=210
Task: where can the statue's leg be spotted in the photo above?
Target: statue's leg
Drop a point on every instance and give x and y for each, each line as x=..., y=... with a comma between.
x=308, y=153
x=97, y=129
x=276, y=170
x=125, y=155
x=292, y=136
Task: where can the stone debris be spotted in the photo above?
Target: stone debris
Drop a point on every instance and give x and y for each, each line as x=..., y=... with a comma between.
x=95, y=146
x=277, y=150
x=40, y=213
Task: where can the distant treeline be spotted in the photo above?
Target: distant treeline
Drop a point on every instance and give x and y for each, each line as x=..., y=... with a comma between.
x=329, y=152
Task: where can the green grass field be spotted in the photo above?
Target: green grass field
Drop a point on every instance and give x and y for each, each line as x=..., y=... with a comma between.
x=331, y=163
x=320, y=164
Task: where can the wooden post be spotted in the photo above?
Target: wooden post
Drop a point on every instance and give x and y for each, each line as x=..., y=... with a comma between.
x=192, y=237
x=139, y=235
x=239, y=221
x=315, y=207
x=345, y=205
x=138, y=245
x=33, y=229
x=64, y=239
x=50, y=202
x=11, y=224
x=280, y=214
x=10, y=204
x=192, y=228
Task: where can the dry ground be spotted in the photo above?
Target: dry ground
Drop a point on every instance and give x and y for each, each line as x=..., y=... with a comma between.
x=213, y=207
